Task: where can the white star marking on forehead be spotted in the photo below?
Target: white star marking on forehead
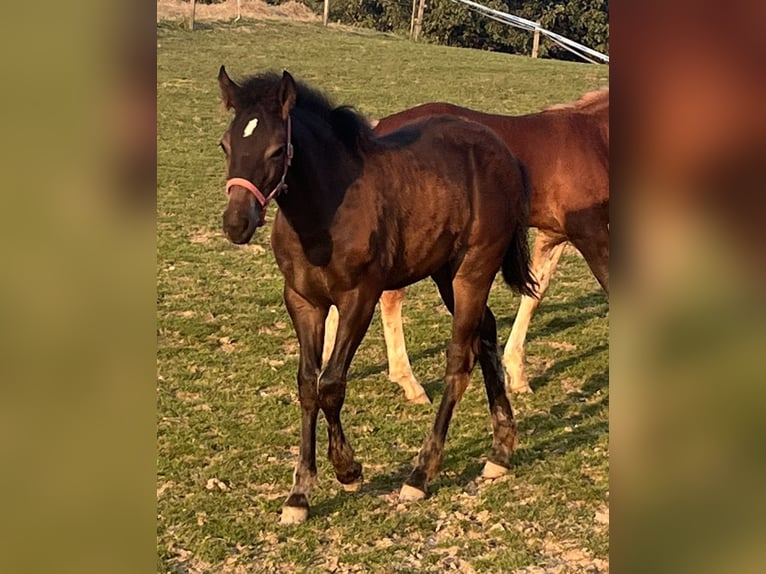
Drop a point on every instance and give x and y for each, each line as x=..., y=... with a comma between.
x=250, y=127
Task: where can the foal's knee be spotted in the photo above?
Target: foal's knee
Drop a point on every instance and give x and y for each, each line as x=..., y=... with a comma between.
x=332, y=393
x=307, y=386
x=460, y=358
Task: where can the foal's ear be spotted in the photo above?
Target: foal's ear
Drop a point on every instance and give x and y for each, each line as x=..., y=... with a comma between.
x=229, y=89
x=286, y=94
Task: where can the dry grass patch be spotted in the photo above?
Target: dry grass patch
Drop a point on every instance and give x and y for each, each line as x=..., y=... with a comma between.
x=251, y=9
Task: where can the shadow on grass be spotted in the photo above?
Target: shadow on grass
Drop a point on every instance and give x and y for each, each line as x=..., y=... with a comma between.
x=382, y=368
x=465, y=457
x=555, y=371
x=434, y=389
x=382, y=484
x=578, y=434
x=390, y=483
x=566, y=427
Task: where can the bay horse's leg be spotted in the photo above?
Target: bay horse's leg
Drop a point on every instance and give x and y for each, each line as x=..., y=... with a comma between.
x=309, y=325
x=355, y=312
x=546, y=252
x=466, y=300
x=330, y=330
x=399, y=369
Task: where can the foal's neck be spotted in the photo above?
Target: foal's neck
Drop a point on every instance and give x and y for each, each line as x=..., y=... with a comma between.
x=322, y=170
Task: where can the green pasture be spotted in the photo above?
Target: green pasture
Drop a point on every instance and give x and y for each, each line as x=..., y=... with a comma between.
x=227, y=413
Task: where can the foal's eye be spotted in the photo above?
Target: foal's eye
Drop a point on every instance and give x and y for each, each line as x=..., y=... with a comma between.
x=277, y=152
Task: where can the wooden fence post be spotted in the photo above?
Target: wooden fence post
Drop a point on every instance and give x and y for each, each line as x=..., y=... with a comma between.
x=193, y=9
x=412, y=20
x=419, y=21
x=536, y=41
x=326, y=11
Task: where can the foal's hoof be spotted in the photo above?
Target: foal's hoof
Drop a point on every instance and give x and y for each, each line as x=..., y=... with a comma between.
x=294, y=515
x=353, y=486
x=521, y=389
x=410, y=494
x=492, y=470
x=351, y=480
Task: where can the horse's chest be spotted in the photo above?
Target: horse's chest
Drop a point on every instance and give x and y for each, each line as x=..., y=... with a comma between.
x=318, y=271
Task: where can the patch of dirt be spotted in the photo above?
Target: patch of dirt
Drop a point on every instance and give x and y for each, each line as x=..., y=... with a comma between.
x=251, y=9
x=204, y=236
x=227, y=345
x=561, y=345
x=565, y=558
x=163, y=487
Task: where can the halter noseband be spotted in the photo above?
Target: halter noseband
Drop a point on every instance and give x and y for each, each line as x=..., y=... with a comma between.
x=252, y=188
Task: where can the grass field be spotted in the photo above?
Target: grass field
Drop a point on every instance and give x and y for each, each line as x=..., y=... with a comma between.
x=228, y=415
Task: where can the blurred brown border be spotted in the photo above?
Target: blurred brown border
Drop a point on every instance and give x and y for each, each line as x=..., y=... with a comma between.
x=687, y=328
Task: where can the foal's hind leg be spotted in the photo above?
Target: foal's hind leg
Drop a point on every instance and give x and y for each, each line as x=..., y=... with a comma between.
x=355, y=311
x=399, y=369
x=467, y=302
x=503, y=423
x=545, y=256
x=309, y=325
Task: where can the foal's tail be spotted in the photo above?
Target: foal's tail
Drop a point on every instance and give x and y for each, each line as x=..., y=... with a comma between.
x=516, y=271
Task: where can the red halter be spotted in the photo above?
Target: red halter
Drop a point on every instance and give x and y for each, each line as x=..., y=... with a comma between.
x=252, y=188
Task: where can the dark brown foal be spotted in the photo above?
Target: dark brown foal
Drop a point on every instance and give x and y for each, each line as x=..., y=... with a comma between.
x=443, y=198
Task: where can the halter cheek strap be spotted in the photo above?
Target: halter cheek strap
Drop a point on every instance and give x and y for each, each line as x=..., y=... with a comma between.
x=262, y=200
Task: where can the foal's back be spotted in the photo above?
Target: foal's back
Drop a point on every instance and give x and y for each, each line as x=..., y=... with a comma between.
x=426, y=193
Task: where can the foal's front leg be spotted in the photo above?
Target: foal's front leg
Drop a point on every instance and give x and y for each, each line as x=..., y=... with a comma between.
x=399, y=369
x=309, y=326
x=355, y=310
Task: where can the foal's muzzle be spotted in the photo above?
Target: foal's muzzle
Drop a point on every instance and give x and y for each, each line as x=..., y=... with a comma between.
x=241, y=218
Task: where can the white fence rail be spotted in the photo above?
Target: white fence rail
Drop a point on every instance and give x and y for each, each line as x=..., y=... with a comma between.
x=518, y=22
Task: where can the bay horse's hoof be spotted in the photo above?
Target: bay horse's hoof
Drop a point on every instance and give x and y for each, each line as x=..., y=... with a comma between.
x=294, y=515
x=410, y=494
x=521, y=389
x=353, y=486
x=492, y=470
x=413, y=391
x=421, y=399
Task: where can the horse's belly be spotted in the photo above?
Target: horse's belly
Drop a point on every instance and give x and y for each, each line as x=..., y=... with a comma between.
x=421, y=256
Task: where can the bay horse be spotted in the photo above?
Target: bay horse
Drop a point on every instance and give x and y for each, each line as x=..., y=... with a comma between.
x=565, y=150
x=360, y=214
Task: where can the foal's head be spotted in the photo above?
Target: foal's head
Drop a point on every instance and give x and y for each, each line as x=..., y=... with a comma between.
x=257, y=147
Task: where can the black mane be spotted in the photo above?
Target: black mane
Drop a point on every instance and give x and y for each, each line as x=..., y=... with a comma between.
x=347, y=124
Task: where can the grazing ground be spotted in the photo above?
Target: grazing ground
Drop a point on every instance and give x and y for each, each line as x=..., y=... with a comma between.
x=228, y=414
